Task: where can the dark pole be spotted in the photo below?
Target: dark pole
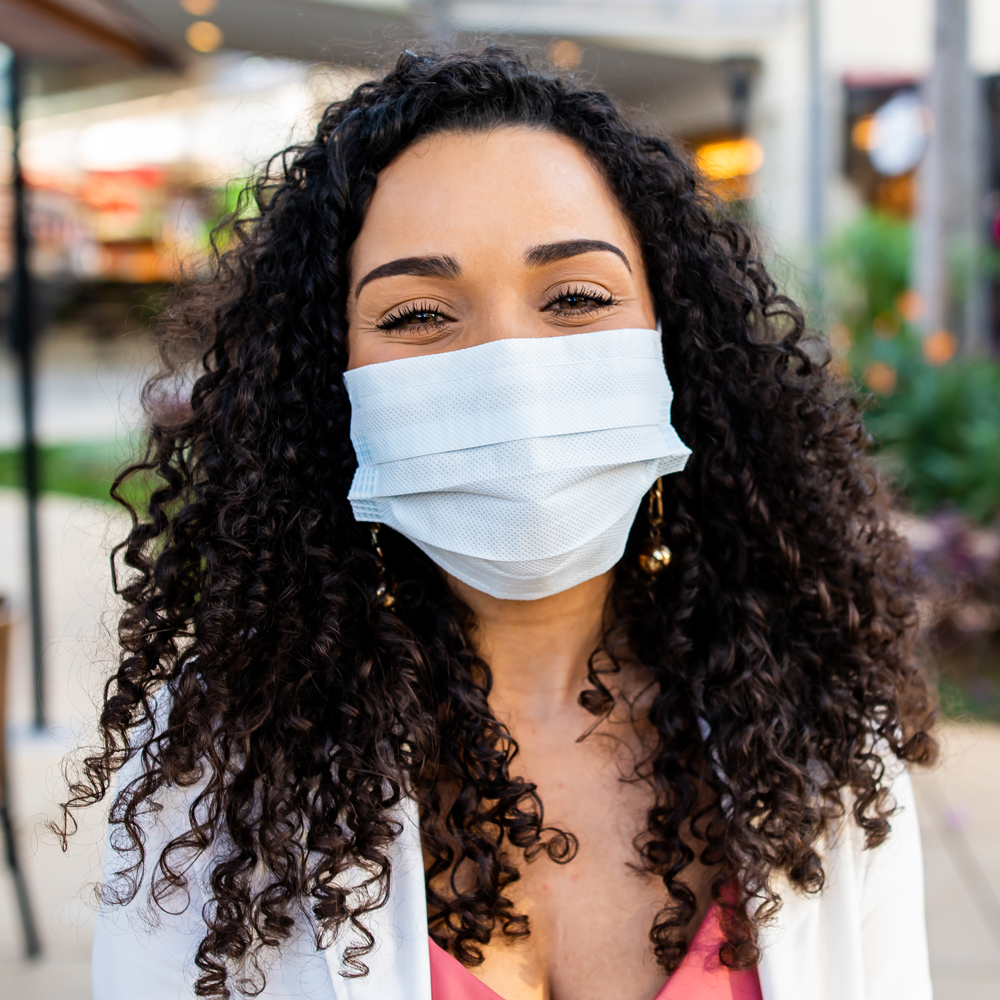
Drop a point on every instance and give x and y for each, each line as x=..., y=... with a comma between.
x=23, y=342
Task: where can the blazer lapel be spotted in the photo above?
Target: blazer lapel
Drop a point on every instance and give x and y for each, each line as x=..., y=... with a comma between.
x=399, y=964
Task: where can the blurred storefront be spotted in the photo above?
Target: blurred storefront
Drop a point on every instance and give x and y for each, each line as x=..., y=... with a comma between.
x=130, y=169
x=885, y=131
x=130, y=188
x=127, y=188
x=714, y=73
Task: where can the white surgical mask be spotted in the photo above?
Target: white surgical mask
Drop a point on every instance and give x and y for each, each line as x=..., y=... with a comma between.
x=518, y=465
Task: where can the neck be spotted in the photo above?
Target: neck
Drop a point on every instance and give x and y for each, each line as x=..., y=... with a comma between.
x=538, y=650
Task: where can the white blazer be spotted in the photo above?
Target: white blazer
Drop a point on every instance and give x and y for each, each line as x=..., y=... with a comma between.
x=863, y=938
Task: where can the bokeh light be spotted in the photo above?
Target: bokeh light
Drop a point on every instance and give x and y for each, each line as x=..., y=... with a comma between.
x=199, y=8
x=881, y=378
x=722, y=161
x=203, y=36
x=940, y=347
x=564, y=53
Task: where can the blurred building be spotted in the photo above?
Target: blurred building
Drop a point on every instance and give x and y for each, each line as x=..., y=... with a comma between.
x=128, y=176
x=130, y=170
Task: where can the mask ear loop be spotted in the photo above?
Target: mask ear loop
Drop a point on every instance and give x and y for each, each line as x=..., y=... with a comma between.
x=383, y=594
x=655, y=556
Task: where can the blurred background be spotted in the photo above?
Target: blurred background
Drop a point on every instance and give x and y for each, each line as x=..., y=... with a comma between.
x=862, y=137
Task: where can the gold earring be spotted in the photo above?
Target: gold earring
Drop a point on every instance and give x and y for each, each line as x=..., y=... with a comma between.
x=382, y=592
x=655, y=556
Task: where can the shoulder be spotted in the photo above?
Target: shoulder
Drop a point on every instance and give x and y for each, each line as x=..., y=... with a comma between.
x=888, y=871
x=864, y=936
x=145, y=948
x=145, y=942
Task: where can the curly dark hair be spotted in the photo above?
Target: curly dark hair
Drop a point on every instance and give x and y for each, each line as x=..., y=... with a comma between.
x=780, y=640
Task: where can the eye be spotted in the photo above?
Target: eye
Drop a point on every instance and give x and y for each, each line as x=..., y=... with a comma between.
x=579, y=302
x=414, y=317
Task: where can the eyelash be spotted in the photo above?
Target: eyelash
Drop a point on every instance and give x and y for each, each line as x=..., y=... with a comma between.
x=598, y=300
x=394, y=319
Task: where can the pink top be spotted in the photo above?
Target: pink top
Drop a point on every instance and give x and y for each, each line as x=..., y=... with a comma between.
x=700, y=976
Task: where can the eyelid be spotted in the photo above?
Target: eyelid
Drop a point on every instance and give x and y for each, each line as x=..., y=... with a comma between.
x=587, y=285
x=418, y=302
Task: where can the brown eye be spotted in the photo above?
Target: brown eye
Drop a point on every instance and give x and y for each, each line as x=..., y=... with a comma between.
x=414, y=318
x=420, y=317
x=579, y=302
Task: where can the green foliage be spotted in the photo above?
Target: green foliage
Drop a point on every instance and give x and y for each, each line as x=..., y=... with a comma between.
x=872, y=258
x=940, y=430
x=936, y=426
x=967, y=702
x=230, y=204
x=84, y=470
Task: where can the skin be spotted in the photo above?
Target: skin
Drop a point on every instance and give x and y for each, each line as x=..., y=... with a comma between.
x=480, y=206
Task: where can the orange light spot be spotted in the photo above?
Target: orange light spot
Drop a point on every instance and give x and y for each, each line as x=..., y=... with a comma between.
x=910, y=305
x=885, y=326
x=863, y=133
x=199, y=8
x=722, y=161
x=880, y=378
x=203, y=36
x=564, y=53
x=940, y=347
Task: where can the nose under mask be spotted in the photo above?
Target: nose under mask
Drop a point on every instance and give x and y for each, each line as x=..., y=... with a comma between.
x=518, y=466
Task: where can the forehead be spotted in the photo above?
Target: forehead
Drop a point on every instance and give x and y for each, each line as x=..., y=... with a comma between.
x=510, y=186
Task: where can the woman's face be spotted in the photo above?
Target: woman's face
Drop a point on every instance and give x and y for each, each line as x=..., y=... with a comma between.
x=473, y=237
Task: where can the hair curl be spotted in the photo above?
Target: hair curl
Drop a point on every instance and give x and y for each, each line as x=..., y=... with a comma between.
x=780, y=639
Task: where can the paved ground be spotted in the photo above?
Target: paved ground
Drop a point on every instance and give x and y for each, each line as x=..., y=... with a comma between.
x=87, y=390
x=959, y=802
x=76, y=536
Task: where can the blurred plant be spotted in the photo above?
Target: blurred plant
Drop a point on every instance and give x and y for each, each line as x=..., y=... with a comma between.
x=940, y=432
x=935, y=420
x=84, y=470
x=870, y=265
x=229, y=204
x=960, y=608
x=934, y=417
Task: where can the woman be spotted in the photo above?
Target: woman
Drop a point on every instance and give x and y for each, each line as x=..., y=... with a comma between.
x=452, y=615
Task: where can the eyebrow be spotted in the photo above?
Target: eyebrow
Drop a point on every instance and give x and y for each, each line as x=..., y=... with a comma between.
x=549, y=253
x=420, y=267
x=448, y=267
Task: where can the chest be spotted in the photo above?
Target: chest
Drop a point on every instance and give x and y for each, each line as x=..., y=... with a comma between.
x=589, y=918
